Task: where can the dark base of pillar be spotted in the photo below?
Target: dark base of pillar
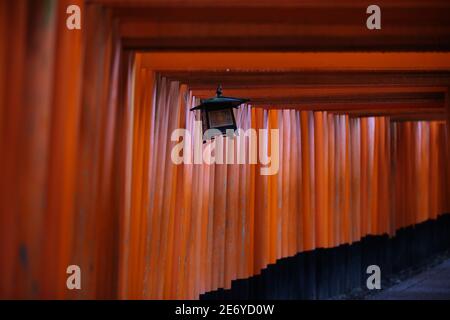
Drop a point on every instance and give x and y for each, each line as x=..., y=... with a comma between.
x=326, y=273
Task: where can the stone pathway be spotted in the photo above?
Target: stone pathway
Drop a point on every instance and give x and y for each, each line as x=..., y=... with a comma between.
x=431, y=284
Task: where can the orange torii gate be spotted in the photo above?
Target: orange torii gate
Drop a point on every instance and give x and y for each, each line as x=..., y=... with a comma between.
x=85, y=126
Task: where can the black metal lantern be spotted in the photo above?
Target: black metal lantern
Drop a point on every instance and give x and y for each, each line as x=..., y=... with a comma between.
x=217, y=113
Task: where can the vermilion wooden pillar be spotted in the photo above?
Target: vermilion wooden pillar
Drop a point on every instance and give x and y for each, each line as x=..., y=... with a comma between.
x=85, y=146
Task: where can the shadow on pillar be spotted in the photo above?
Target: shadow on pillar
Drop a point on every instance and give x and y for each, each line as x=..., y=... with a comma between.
x=326, y=273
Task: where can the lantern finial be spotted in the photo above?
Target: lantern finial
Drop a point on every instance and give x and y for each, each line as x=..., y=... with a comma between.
x=219, y=90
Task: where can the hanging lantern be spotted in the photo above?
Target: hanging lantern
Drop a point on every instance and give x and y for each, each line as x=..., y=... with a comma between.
x=217, y=113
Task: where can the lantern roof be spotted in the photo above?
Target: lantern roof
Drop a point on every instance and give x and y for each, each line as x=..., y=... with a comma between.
x=220, y=102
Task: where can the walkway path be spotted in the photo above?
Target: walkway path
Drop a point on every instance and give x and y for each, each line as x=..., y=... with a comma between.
x=432, y=284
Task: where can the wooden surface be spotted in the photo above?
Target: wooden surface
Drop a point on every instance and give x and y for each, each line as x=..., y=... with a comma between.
x=85, y=126
x=340, y=179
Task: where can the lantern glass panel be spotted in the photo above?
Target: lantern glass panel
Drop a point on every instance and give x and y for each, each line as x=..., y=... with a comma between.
x=220, y=118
